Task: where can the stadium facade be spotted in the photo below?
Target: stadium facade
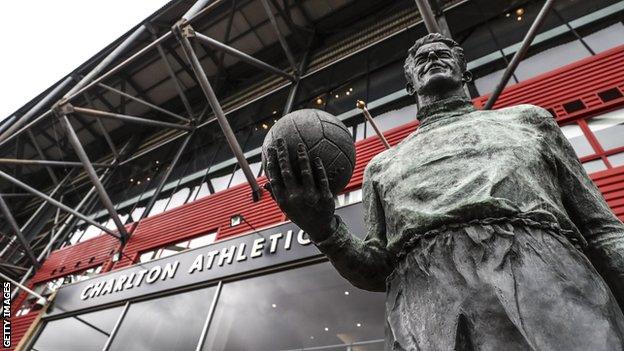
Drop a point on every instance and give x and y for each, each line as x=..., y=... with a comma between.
x=132, y=194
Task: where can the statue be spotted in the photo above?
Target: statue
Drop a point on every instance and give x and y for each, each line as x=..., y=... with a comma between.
x=484, y=230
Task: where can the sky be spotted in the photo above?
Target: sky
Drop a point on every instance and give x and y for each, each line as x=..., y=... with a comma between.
x=44, y=40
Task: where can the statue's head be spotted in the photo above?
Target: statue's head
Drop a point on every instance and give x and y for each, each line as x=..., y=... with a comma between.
x=435, y=65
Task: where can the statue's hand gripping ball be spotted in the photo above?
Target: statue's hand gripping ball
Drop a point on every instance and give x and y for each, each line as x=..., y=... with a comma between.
x=324, y=136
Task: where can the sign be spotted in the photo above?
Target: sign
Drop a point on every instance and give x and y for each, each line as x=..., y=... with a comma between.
x=266, y=248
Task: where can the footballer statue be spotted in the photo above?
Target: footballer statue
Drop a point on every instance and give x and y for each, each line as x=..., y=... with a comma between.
x=482, y=227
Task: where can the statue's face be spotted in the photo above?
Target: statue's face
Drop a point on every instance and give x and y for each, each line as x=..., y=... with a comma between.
x=434, y=69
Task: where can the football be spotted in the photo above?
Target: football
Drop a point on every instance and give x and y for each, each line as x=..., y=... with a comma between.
x=324, y=136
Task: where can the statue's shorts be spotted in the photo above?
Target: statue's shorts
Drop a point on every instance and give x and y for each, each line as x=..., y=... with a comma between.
x=499, y=287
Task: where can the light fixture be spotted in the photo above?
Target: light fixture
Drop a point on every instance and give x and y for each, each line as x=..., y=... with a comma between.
x=346, y=293
x=337, y=96
x=520, y=11
x=138, y=182
x=265, y=126
x=116, y=257
x=348, y=93
x=359, y=325
x=350, y=89
x=274, y=112
x=508, y=14
x=311, y=337
x=148, y=179
x=519, y=18
x=236, y=220
x=157, y=162
x=319, y=101
x=274, y=305
x=131, y=180
x=326, y=329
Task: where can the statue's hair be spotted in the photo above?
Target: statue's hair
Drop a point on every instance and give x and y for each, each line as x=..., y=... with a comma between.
x=436, y=38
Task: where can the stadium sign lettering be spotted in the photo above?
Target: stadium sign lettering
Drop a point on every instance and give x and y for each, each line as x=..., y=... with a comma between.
x=202, y=262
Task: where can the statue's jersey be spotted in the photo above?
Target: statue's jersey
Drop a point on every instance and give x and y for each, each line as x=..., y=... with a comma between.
x=467, y=167
x=470, y=165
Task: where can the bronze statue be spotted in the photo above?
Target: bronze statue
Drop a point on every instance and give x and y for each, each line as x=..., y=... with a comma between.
x=483, y=228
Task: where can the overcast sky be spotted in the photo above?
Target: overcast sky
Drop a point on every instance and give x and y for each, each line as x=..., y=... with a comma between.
x=44, y=40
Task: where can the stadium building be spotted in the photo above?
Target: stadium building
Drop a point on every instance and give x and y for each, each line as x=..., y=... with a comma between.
x=131, y=190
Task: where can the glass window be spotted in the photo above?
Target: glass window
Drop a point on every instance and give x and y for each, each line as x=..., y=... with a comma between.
x=309, y=307
x=137, y=212
x=239, y=176
x=84, y=332
x=617, y=159
x=392, y=119
x=606, y=38
x=550, y=59
x=579, y=142
x=180, y=246
x=594, y=166
x=608, y=129
x=179, y=198
x=91, y=232
x=159, y=206
x=221, y=183
x=203, y=191
x=169, y=323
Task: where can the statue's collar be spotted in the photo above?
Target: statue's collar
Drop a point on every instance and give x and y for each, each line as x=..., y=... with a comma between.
x=444, y=108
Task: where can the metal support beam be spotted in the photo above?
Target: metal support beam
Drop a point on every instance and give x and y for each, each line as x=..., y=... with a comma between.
x=188, y=32
x=145, y=103
x=48, y=163
x=129, y=119
x=28, y=115
x=165, y=178
x=35, y=144
x=56, y=203
x=427, y=15
x=37, y=211
x=218, y=111
x=292, y=94
x=524, y=47
x=103, y=130
x=106, y=61
x=280, y=36
x=82, y=155
x=362, y=106
x=8, y=216
x=172, y=75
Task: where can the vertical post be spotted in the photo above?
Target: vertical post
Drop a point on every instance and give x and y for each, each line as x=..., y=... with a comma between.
x=36, y=213
x=182, y=36
x=42, y=156
x=292, y=94
x=82, y=155
x=13, y=223
x=280, y=36
x=524, y=47
x=164, y=179
x=427, y=15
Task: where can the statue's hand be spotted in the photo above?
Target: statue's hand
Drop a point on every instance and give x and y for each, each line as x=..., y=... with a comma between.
x=305, y=198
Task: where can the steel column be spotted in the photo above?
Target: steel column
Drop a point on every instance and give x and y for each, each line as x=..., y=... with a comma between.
x=143, y=102
x=8, y=216
x=55, y=203
x=48, y=163
x=236, y=53
x=106, y=61
x=28, y=115
x=427, y=15
x=107, y=137
x=174, y=78
x=515, y=61
x=164, y=179
x=218, y=111
x=280, y=36
x=292, y=94
x=37, y=211
x=82, y=155
x=42, y=156
x=129, y=119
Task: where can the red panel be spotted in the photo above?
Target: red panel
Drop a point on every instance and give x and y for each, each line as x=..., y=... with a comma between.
x=19, y=326
x=582, y=80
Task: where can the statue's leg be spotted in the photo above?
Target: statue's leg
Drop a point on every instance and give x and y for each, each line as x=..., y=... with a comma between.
x=550, y=291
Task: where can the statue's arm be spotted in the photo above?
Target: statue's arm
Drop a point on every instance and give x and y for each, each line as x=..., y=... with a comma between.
x=365, y=263
x=590, y=212
x=307, y=201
